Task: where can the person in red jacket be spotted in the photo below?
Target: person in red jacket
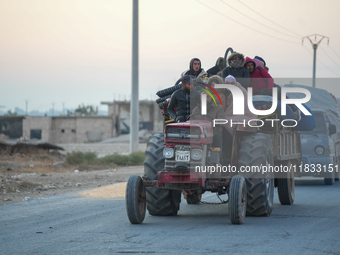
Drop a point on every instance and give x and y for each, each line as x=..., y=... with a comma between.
x=260, y=80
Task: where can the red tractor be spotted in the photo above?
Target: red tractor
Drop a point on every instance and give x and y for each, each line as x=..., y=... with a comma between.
x=178, y=160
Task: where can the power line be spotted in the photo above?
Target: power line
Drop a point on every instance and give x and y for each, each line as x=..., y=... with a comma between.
x=245, y=25
x=257, y=21
x=330, y=57
x=269, y=19
x=321, y=62
x=334, y=51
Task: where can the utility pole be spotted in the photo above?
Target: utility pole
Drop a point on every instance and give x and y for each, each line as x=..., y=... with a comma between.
x=315, y=45
x=1, y=106
x=134, y=103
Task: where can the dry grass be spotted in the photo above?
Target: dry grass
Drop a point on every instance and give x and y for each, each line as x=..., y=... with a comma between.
x=113, y=191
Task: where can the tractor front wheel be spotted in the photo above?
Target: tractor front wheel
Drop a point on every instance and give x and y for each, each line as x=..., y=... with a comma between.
x=135, y=199
x=237, y=205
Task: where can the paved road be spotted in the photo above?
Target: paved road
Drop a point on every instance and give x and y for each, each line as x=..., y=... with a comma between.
x=76, y=225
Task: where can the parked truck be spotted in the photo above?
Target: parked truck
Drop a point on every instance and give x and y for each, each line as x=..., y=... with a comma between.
x=321, y=146
x=320, y=153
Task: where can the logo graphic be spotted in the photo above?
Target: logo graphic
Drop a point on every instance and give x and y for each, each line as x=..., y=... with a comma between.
x=238, y=100
x=208, y=92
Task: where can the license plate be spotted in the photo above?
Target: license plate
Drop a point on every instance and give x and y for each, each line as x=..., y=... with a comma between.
x=183, y=156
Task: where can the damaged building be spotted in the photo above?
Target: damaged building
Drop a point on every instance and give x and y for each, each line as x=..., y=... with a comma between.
x=149, y=115
x=82, y=129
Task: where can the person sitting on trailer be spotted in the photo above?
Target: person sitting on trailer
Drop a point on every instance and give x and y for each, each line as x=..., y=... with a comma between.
x=235, y=68
x=264, y=65
x=195, y=69
x=260, y=80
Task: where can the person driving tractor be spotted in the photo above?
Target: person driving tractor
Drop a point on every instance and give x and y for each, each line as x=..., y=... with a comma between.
x=215, y=111
x=183, y=99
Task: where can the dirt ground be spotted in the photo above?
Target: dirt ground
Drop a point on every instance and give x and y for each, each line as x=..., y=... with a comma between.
x=41, y=174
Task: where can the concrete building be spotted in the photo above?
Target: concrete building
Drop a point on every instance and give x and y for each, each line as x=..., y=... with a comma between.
x=11, y=126
x=82, y=129
x=149, y=115
x=65, y=129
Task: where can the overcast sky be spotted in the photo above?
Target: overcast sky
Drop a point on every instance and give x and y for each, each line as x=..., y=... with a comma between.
x=72, y=52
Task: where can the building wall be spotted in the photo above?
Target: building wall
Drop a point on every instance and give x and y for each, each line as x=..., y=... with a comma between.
x=11, y=126
x=64, y=130
x=42, y=123
x=86, y=129
x=91, y=128
x=71, y=129
x=148, y=112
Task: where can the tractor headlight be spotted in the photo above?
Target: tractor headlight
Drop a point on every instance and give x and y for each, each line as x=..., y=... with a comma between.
x=168, y=152
x=196, y=154
x=319, y=150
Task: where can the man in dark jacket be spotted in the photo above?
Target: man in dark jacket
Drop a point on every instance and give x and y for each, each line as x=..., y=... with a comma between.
x=184, y=99
x=235, y=68
x=215, y=112
x=195, y=69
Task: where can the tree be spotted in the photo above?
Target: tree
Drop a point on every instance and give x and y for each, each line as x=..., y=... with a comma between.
x=83, y=110
x=10, y=113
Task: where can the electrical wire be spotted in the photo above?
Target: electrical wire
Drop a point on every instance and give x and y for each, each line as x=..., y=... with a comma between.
x=329, y=56
x=257, y=21
x=299, y=36
x=334, y=51
x=321, y=62
x=245, y=25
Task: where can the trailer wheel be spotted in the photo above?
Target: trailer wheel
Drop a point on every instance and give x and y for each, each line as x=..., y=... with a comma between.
x=337, y=175
x=237, y=205
x=286, y=185
x=256, y=151
x=331, y=180
x=160, y=202
x=194, y=199
x=135, y=200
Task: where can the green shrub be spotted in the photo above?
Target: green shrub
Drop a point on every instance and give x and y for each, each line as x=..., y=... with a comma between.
x=117, y=159
x=136, y=158
x=90, y=158
x=76, y=158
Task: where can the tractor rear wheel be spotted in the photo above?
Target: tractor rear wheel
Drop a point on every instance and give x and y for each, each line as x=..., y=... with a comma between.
x=161, y=202
x=255, y=153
